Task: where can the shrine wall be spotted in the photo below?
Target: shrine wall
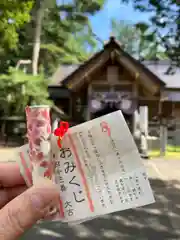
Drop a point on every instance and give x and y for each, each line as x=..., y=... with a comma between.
x=177, y=111
x=111, y=75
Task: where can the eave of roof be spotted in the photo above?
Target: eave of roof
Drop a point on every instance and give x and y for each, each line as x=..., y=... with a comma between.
x=153, y=70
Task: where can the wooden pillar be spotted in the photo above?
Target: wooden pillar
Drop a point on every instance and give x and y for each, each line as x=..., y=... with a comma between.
x=163, y=130
x=144, y=119
x=88, y=112
x=135, y=117
x=163, y=137
x=144, y=130
x=135, y=127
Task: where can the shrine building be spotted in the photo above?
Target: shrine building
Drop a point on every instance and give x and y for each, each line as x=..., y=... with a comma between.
x=110, y=80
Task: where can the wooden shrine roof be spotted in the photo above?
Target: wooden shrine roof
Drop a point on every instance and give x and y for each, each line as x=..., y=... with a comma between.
x=154, y=71
x=160, y=69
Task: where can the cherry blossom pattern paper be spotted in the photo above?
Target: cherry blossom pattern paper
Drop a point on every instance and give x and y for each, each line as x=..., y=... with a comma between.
x=25, y=165
x=38, y=132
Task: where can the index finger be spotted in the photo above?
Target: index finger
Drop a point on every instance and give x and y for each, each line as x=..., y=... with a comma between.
x=10, y=175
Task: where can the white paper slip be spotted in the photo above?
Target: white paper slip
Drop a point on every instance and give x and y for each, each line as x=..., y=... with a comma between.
x=99, y=170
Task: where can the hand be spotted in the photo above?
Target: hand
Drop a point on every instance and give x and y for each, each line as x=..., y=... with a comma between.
x=20, y=207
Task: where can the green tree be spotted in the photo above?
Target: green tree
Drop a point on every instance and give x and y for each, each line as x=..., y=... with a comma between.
x=75, y=23
x=165, y=23
x=40, y=7
x=137, y=41
x=65, y=36
x=14, y=14
x=126, y=34
x=62, y=34
x=149, y=46
x=66, y=39
x=17, y=89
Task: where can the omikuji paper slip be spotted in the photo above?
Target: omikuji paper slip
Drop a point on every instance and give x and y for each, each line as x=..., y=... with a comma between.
x=98, y=170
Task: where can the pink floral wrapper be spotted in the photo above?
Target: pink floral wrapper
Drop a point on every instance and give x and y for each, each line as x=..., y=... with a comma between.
x=26, y=168
x=25, y=164
x=39, y=163
x=39, y=132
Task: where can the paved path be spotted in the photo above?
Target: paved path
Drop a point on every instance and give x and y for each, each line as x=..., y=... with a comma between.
x=160, y=220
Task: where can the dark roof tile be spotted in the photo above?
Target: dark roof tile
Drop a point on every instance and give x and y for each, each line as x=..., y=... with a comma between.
x=159, y=68
x=62, y=72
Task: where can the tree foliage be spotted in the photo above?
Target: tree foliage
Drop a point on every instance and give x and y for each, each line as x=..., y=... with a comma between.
x=14, y=14
x=137, y=41
x=165, y=24
x=126, y=34
x=18, y=89
x=65, y=36
x=66, y=39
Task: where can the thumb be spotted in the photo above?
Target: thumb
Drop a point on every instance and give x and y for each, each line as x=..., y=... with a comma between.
x=25, y=210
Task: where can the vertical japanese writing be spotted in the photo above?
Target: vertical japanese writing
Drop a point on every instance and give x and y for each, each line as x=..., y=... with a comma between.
x=59, y=176
x=64, y=153
x=104, y=175
x=85, y=149
x=128, y=189
x=117, y=155
x=68, y=168
x=69, y=208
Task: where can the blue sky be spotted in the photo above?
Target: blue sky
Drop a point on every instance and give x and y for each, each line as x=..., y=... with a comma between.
x=114, y=9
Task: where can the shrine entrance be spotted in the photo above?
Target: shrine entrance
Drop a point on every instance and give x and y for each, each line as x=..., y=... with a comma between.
x=109, y=109
x=112, y=80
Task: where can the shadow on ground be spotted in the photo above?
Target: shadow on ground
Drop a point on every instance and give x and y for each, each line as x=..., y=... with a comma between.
x=156, y=221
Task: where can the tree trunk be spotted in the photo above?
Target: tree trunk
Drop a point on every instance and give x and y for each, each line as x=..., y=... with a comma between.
x=37, y=35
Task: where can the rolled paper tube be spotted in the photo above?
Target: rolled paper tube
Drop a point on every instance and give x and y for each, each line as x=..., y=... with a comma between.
x=38, y=132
